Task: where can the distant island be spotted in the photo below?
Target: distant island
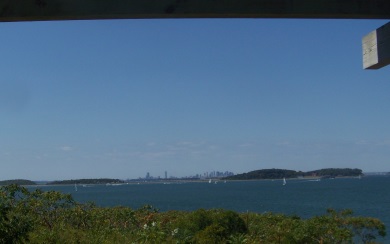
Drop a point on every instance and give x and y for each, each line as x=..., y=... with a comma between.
x=86, y=181
x=252, y=175
x=62, y=182
x=17, y=182
x=284, y=173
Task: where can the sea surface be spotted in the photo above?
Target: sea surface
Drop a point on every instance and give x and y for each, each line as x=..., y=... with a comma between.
x=368, y=196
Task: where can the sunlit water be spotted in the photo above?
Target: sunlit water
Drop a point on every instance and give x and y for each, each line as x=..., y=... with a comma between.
x=369, y=196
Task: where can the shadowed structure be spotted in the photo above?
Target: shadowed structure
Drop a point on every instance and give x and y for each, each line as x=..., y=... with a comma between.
x=376, y=45
x=35, y=10
x=376, y=48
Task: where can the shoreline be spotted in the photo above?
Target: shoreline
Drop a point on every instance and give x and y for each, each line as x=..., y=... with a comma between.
x=213, y=180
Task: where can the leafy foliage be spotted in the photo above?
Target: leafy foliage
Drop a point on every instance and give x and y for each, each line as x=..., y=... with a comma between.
x=14, y=223
x=53, y=217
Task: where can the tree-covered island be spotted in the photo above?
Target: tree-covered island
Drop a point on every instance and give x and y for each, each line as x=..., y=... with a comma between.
x=284, y=173
x=17, y=182
x=87, y=181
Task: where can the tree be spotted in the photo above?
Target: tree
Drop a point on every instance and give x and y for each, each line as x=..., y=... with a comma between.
x=15, y=224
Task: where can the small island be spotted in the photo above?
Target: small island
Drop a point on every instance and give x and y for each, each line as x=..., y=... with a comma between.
x=87, y=181
x=23, y=182
x=284, y=173
x=17, y=182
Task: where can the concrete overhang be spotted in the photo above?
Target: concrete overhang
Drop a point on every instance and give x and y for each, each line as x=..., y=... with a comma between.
x=41, y=10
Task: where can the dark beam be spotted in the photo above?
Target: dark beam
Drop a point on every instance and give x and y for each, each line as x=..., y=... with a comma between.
x=38, y=10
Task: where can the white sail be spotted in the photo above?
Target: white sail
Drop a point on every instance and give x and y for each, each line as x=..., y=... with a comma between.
x=284, y=181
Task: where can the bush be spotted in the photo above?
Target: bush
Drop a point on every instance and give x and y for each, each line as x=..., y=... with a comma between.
x=52, y=217
x=214, y=225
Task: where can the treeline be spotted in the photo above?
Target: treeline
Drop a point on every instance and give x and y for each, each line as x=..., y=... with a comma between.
x=264, y=174
x=23, y=182
x=53, y=217
x=284, y=173
x=17, y=182
x=332, y=172
x=86, y=181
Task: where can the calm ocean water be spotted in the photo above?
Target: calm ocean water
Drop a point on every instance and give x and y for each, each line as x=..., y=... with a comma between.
x=369, y=196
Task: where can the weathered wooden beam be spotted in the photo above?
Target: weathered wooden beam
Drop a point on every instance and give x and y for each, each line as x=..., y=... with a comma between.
x=39, y=10
x=376, y=48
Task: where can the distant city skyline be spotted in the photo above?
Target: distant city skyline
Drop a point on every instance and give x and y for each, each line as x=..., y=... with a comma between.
x=119, y=98
x=204, y=175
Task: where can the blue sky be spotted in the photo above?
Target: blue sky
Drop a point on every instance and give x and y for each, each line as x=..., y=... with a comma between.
x=119, y=98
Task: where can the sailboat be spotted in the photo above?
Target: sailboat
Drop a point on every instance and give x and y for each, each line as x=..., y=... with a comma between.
x=75, y=186
x=284, y=181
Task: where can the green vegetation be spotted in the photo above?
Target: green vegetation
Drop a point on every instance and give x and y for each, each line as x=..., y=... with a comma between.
x=86, y=181
x=17, y=182
x=265, y=174
x=284, y=173
x=52, y=217
x=331, y=172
